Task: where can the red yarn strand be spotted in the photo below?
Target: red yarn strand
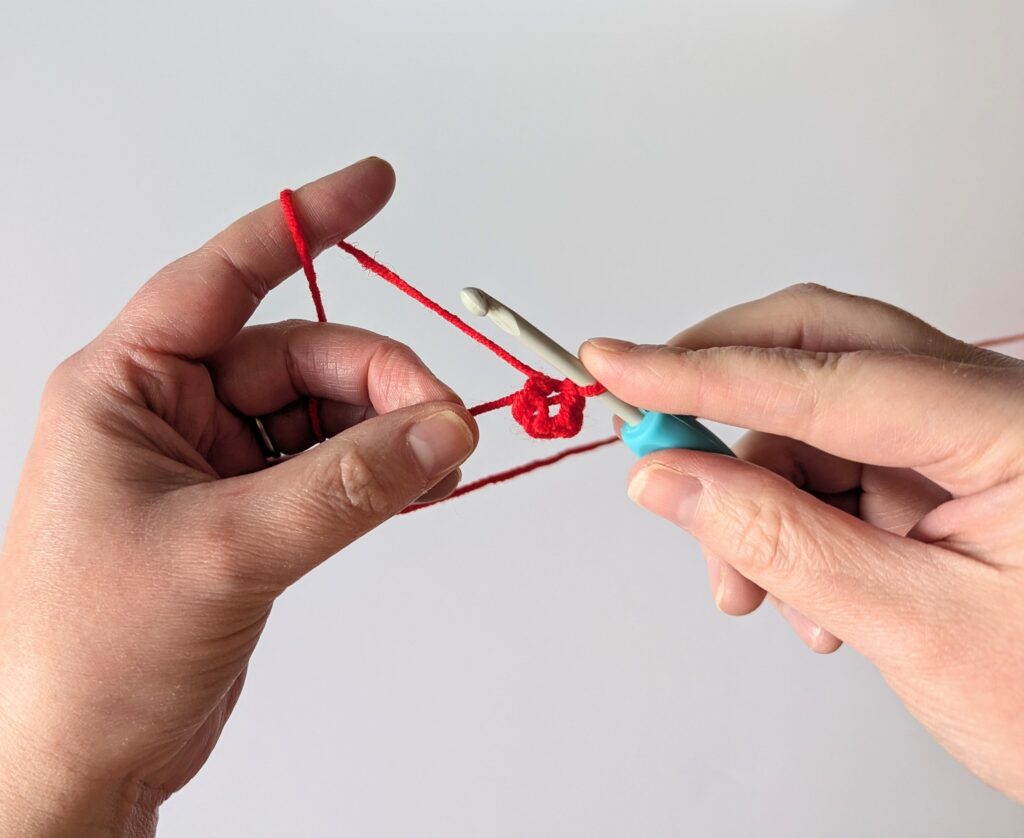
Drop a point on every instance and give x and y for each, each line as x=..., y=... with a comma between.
x=487, y=407
x=502, y=476
x=388, y=275
x=313, y=407
x=987, y=344
x=302, y=249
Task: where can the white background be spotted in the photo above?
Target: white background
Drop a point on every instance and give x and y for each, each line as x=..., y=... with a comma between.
x=542, y=659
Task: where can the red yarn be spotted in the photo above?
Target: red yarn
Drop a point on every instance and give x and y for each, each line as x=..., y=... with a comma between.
x=985, y=344
x=502, y=476
x=313, y=408
x=389, y=275
x=299, y=240
x=531, y=406
x=487, y=407
x=292, y=220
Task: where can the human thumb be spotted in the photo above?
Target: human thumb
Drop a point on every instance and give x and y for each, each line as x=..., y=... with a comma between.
x=871, y=588
x=275, y=525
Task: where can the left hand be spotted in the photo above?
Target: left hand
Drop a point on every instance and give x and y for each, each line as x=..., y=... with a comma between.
x=149, y=538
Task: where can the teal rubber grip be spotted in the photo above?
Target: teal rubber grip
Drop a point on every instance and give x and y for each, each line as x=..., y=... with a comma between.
x=659, y=431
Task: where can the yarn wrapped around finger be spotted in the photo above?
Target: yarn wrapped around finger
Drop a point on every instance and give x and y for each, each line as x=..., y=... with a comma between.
x=545, y=407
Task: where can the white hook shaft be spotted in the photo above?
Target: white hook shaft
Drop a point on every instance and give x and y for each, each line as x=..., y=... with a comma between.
x=484, y=305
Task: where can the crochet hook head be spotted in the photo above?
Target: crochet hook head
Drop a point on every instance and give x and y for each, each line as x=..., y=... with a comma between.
x=484, y=305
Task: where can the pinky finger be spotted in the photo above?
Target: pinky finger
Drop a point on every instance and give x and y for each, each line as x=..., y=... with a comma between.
x=814, y=637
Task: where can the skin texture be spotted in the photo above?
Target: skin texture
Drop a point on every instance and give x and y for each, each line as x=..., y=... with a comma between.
x=877, y=500
x=149, y=537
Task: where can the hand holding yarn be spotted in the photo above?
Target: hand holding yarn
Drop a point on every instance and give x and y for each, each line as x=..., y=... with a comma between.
x=149, y=538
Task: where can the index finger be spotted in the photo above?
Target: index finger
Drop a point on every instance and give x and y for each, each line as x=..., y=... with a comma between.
x=953, y=422
x=195, y=305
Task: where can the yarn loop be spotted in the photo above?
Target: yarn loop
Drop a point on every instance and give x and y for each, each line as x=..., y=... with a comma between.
x=531, y=407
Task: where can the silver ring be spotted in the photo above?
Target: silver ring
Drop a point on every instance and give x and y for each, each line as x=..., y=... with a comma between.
x=271, y=451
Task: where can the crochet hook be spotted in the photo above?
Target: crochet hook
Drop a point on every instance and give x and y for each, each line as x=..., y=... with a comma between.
x=643, y=431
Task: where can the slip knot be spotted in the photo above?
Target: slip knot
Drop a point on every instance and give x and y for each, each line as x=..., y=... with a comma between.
x=531, y=406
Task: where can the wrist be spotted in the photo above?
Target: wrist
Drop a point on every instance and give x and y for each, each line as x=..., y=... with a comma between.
x=43, y=797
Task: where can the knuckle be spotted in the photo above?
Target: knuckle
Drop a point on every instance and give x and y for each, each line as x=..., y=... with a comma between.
x=815, y=374
x=395, y=357
x=770, y=543
x=61, y=377
x=401, y=375
x=817, y=365
x=813, y=290
x=355, y=488
x=289, y=325
x=810, y=306
x=77, y=378
x=665, y=368
x=764, y=537
x=257, y=285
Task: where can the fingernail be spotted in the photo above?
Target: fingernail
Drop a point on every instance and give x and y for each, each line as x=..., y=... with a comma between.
x=667, y=493
x=808, y=630
x=610, y=344
x=440, y=442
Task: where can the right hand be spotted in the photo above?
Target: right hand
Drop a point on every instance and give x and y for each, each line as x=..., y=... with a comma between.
x=908, y=539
